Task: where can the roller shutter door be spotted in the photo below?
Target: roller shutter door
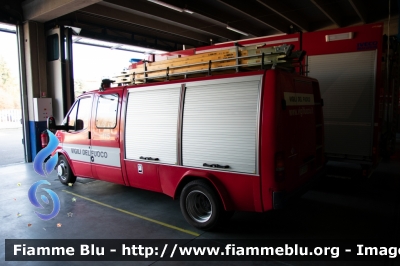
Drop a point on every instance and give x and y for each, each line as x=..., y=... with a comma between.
x=220, y=124
x=151, y=123
x=347, y=83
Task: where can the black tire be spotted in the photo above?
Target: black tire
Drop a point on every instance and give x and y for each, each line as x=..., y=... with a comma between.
x=64, y=171
x=201, y=205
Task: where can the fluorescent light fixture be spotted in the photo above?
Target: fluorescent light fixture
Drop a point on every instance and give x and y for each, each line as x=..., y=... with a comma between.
x=167, y=5
x=116, y=46
x=339, y=37
x=236, y=30
x=188, y=11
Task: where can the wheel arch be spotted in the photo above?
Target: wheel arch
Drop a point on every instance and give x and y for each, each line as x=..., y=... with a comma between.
x=212, y=181
x=62, y=152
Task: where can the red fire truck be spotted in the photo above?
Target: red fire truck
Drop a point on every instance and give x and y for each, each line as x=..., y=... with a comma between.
x=242, y=141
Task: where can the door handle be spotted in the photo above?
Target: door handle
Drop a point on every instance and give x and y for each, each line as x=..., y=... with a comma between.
x=216, y=166
x=149, y=158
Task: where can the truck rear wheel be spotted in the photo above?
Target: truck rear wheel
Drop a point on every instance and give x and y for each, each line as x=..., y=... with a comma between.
x=64, y=171
x=201, y=205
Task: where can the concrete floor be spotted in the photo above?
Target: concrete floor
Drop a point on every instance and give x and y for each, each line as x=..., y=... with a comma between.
x=11, y=147
x=334, y=208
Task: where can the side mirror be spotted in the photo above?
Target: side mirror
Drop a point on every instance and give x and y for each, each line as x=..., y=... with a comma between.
x=51, y=123
x=79, y=125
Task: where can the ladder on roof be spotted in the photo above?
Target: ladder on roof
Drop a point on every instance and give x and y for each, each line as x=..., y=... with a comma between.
x=222, y=61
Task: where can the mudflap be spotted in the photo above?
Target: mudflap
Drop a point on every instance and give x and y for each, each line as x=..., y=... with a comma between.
x=282, y=199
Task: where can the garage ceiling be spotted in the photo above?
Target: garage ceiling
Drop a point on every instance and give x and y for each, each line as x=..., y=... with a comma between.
x=169, y=24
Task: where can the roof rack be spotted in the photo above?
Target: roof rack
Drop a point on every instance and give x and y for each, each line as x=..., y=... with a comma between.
x=216, y=62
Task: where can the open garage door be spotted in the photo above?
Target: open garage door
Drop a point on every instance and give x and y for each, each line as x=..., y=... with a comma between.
x=11, y=131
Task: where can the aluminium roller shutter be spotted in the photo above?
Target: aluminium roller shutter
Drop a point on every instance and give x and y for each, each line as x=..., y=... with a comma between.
x=220, y=123
x=151, y=123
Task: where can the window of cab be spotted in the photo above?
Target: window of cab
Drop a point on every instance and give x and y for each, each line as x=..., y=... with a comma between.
x=106, y=113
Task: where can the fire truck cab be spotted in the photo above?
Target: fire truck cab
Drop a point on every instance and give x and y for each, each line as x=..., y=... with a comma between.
x=242, y=141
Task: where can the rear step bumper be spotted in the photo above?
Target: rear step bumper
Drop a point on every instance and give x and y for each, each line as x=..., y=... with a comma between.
x=282, y=198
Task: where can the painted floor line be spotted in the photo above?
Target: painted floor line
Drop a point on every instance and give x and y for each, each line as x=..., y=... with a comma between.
x=136, y=215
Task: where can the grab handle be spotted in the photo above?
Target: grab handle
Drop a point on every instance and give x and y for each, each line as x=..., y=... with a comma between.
x=216, y=166
x=148, y=158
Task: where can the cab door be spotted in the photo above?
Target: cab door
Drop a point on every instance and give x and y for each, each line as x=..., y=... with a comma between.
x=105, y=142
x=76, y=140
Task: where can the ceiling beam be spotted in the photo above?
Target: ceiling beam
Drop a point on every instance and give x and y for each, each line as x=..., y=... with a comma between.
x=360, y=9
x=121, y=41
x=165, y=15
x=126, y=17
x=246, y=10
x=329, y=11
x=281, y=10
x=106, y=36
x=123, y=33
x=42, y=11
x=222, y=18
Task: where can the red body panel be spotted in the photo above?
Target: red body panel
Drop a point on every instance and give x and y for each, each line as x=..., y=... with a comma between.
x=278, y=124
x=80, y=168
x=238, y=191
x=109, y=138
x=268, y=141
x=148, y=179
x=366, y=37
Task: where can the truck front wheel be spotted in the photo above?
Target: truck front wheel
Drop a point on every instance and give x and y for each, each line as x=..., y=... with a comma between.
x=201, y=205
x=64, y=171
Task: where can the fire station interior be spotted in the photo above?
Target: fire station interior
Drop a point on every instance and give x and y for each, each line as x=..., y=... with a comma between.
x=352, y=200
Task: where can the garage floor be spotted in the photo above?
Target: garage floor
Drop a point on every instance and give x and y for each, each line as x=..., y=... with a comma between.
x=335, y=208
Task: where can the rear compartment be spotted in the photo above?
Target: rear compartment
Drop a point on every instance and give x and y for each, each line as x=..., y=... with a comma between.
x=299, y=130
